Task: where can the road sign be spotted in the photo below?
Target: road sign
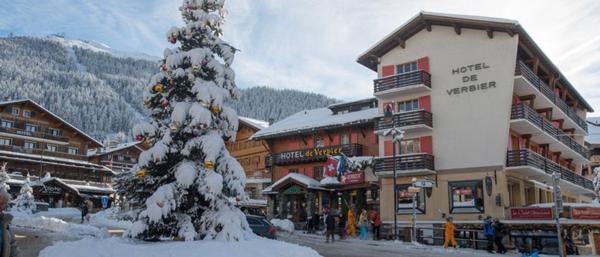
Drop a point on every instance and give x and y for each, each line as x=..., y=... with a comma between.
x=423, y=183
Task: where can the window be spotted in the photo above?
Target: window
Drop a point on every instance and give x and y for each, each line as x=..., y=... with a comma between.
x=345, y=139
x=466, y=196
x=405, y=200
x=293, y=171
x=51, y=147
x=319, y=142
x=408, y=105
x=120, y=157
x=410, y=146
x=29, y=144
x=318, y=172
x=7, y=124
x=32, y=128
x=406, y=67
x=54, y=132
x=27, y=114
x=14, y=111
x=5, y=141
x=72, y=150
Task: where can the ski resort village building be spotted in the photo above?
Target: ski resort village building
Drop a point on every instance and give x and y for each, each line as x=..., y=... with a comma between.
x=300, y=145
x=252, y=155
x=488, y=118
x=37, y=142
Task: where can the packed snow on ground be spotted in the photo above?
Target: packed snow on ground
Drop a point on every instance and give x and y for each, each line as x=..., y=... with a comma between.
x=67, y=214
x=54, y=225
x=109, y=218
x=285, y=225
x=122, y=247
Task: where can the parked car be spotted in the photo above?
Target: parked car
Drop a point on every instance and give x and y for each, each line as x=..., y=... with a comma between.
x=261, y=226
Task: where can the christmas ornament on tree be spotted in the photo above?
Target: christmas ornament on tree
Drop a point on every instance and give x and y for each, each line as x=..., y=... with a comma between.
x=164, y=103
x=139, y=138
x=158, y=88
x=189, y=176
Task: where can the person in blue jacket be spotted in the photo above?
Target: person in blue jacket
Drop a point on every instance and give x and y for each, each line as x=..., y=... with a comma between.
x=488, y=232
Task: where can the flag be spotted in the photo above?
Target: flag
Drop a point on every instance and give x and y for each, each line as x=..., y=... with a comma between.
x=331, y=166
x=341, y=167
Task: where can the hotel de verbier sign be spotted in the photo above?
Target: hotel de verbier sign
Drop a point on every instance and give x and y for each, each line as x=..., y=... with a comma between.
x=470, y=78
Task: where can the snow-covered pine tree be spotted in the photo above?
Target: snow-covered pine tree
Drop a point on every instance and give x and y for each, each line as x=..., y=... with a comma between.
x=4, y=178
x=188, y=173
x=25, y=202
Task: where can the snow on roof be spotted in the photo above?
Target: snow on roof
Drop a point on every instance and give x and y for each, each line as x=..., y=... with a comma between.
x=297, y=177
x=257, y=124
x=315, y=119
x=593, y=136
x=75, y=185
x=110, y=149
x=54, y=116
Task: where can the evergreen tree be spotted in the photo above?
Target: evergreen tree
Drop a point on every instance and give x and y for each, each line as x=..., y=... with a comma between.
x=188, y=174
x=25, y=201
x=4, y=178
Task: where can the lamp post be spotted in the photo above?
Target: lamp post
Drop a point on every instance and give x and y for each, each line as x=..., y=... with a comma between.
x=397, y=135
x=557, y=209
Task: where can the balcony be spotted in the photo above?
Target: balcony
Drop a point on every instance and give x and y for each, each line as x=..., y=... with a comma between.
x=527, y=83
x=45, y=153
x=406, y=165
x=412, y=82
x=20, y=132
x=414, y=120
x=528, y=163
x=525, y=120
x=316, y=154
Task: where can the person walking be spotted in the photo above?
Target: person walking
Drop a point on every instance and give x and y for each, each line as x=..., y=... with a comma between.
x=499, y=235
x=375, y=220
x=488, y=232
x=351, y=225
x=84, y=211
x=330, y=226
x=7, y=241
x=449, y=233
x=342, y=227
x=362, y=221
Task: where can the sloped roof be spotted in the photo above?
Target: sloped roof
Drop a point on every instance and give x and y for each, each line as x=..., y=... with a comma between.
x=298, y=178
x=313, y=120
x=254, y=123
x=424, y=20
x=54, y=116
x=111, y=149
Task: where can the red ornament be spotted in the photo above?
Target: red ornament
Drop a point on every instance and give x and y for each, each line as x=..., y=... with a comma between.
x=164, y=67
x=164, y=103
x=139, y=138
x=173, y=40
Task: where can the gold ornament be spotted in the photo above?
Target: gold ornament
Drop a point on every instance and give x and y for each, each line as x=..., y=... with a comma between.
x=195, y=69
x=209, y=164
x=158, y=88
x=141, y=173
x=174, y=128
x=215, y=109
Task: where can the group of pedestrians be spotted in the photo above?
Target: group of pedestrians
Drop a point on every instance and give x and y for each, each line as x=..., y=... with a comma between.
x=346, y=226
x=493, y=230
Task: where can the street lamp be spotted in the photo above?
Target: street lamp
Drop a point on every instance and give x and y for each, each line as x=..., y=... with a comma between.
x=397, y=135
x=557, y=208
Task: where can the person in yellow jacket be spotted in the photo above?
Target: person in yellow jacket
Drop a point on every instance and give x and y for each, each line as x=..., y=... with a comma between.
x=351, y=228
x=449, y=233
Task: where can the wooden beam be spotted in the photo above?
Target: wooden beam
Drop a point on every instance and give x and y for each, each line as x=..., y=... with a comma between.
x=552, y=82
x=510, y=33
x=536, y=65
x=527, y=138
x=490, y=33
x=401, y=42
x=457, y=29
x=427, y=26
x=549, y=109
x=570, y=131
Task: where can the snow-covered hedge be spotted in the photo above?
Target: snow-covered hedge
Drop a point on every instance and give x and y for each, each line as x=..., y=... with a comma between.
x=285, y=225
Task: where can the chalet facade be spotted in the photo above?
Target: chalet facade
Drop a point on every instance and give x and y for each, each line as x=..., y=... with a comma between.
x=35, y=141
x=300, y=145
x=119, y=157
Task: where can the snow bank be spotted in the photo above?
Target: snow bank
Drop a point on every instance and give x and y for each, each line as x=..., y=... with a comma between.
x=61, y=213
x=109, y=218
x=54, y=225
x=285, y=225
x=120, y=247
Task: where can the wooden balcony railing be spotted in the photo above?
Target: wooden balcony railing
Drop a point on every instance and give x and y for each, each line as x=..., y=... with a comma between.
x=526, y=157
x=540, y=85
x=420, y=117
x=523, y=111
x=403, y=80
x=18, y=130
x=408, y=162
x=46, y=153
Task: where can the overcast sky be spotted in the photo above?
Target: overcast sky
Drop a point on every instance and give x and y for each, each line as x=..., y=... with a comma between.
x=312, y=45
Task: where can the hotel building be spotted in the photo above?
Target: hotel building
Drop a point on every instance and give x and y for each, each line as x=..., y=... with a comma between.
x=487, y=118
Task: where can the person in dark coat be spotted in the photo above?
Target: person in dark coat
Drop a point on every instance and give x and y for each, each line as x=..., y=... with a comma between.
x=499, y=235
x=488, y=232
x=330, y=226
x=342, y=227
x=84, y=211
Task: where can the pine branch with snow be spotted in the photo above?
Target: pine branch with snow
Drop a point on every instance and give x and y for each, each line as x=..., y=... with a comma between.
x=25, y=202
x=4, y=178
x=183, y=183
